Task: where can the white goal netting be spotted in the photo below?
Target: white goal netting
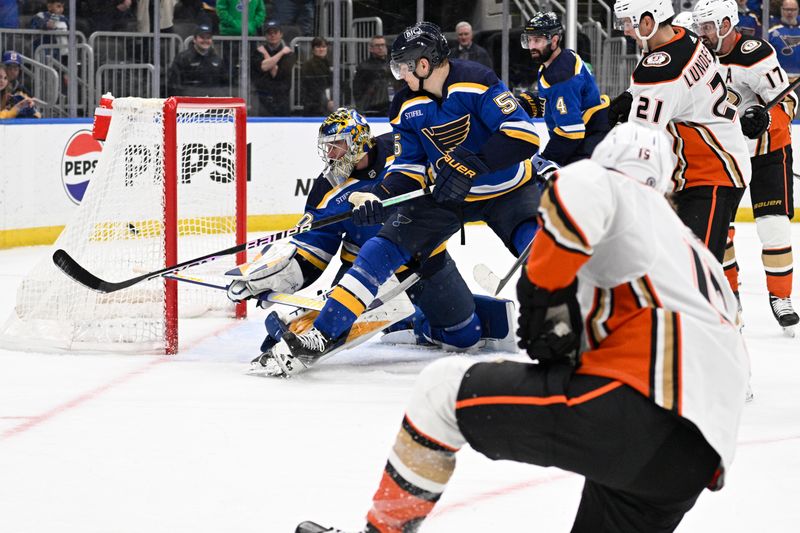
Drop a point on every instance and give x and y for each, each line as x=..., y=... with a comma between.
x=118, y=232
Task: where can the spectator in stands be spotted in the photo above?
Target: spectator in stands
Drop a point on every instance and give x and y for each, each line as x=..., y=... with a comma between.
x=166, y=13
x=52, y=19
x=785, y=37
x=468, y=49
x=271, y=72
x=749, y=21
x=199, y=70
x=373, y=85
x=9, y=14
x=13, y=63
x=14, y=105
x=298, y=13
x=230, y=16
x=316, y=80
x=114, y=15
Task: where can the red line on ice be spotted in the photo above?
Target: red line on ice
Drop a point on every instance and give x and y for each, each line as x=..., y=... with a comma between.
x=34, y=421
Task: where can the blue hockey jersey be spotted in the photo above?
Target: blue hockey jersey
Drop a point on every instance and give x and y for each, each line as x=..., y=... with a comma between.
x=319, y=246
x=475, y=106
x=575, y=113
x=749, y=24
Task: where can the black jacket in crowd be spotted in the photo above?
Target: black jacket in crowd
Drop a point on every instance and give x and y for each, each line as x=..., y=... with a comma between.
x=194, y=74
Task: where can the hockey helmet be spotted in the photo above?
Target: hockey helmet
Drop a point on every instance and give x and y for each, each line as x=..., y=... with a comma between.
x=642, y=153
x=708, y=16
x=423, y=39
x=344, y=138
x=628, y=14
x=546, y=24
x=684, y=20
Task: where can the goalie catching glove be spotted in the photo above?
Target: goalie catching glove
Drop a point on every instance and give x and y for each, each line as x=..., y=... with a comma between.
x=549, y=322
x=367, y=209
x=277, y=270
x=455, y=173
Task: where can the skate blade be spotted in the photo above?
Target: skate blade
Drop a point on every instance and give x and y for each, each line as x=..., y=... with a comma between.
x=792, y=331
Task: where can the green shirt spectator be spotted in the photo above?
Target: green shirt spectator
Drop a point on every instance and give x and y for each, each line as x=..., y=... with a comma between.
x=230, y=16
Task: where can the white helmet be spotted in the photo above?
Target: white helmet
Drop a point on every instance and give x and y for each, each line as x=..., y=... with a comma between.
x=642, y=153
x=716, y=11
x=684, y=20
x=634, y=9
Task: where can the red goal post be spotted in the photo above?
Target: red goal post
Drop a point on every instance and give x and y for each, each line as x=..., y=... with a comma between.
x=171, y=107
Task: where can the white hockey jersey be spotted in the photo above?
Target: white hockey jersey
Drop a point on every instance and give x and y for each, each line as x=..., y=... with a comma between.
x=678, y=86
x=753, y=76
x=658, y=312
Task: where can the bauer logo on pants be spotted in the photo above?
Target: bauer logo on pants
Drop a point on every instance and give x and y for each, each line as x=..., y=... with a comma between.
x=77, y=164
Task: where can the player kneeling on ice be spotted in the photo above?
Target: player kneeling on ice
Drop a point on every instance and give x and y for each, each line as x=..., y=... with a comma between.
x=645, y=401
x=441, y=309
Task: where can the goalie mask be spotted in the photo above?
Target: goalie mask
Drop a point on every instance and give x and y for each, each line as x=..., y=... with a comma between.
x=642, y=153
x=344, y=139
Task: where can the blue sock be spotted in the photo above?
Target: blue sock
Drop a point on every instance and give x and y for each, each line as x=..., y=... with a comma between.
x=376, y=261
x=524, y=234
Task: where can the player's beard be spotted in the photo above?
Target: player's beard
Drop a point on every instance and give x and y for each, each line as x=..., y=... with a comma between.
x=542, y=57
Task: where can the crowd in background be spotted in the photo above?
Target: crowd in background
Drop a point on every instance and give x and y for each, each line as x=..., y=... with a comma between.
x=200, y=70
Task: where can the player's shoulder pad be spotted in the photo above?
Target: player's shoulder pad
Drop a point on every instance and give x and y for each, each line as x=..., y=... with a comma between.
x=668, y=61
x=748, y=51
x=319, y=189
x=470, y=72
x=402, y=100
x=565, y=67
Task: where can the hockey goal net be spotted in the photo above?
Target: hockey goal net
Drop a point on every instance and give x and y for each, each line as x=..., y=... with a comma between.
x=169, y=186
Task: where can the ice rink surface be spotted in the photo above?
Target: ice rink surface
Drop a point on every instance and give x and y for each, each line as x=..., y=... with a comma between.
x=141, y=444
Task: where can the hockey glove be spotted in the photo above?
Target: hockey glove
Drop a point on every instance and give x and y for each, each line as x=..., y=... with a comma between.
x=367, y=209
x=755, y=121
x=544, y=168
x=531, y=104
x=549, y=323
x=277, y=271
x=620, y=108
x=456, y=171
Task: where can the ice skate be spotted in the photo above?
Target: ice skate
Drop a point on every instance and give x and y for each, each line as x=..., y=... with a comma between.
x=298, y=352
x=785, y=314
x=313, y=527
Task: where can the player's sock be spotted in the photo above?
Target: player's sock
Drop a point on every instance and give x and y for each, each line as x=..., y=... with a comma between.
x=376, y=261
x=776, y=254
x=523, y=234
x=423, y=456
x=413, y=480
x=729, y=263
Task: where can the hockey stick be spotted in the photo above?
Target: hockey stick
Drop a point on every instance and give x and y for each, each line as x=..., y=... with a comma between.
x=74, y=270
x=302, y=302
x=294, y=300
x=489, y=281
x=775, y=101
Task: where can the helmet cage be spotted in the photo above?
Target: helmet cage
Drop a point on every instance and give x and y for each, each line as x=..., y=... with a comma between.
x=344, y=139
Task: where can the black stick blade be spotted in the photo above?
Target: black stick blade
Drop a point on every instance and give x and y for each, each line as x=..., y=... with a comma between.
x=74, y=270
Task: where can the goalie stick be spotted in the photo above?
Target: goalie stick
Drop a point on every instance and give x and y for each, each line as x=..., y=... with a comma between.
x=74, y=270
x=295, y=300
x=490, y=282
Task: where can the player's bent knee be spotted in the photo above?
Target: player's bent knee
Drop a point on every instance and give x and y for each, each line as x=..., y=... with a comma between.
x=380, y=257
x=774, y=231
x=433, y=401
x=461, y=336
